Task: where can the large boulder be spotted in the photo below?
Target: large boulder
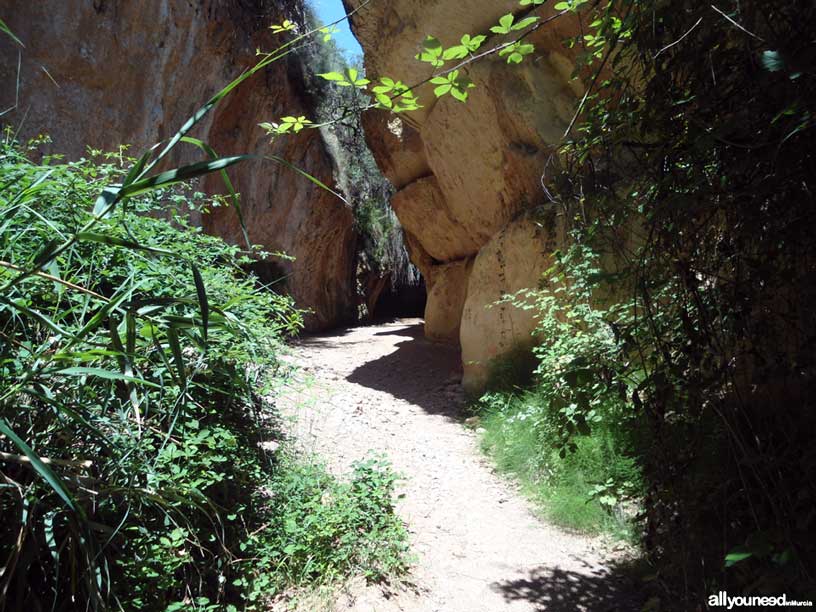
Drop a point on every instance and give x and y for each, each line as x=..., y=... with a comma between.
x=467, y=175
x=515, y=259
x=397, y=147
x=446, y=300
x=107, y=72
x=422, y=210
x=488, y=155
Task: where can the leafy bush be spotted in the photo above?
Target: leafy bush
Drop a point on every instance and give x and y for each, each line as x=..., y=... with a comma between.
x=689, y=171
x=569, y=437
x=696, y=176
x=323, y=529
x=134, y=364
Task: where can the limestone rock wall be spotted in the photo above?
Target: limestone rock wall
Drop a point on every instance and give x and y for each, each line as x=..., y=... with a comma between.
x=513, y=260
x=107, y=72
x=446, y=300
x=468, y=174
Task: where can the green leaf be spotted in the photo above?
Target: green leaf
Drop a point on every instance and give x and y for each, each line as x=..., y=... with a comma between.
x=524, y=23
x=304, y=174
x=204, y=305
x=432, y=44
x=41, y=468
x=130, y=332
x=454, y=84
x=137, y=168
x=505, y=25
x=457, y=52
x=516, y=52
x=384, y=100
x=178, y=357
x=740, y=553
x=106, y=201
x=236, y=203
x=432, y=52
x=124, y=360
x=332, y=76
x=459, y=94
x=353, y=73
x=113, y=241
x=286, y=26
x=296, y=124
x=106, y=374
x=5, y=28
x=178, y=175
x=328, y=31
x=608, y=500
x=473, y=43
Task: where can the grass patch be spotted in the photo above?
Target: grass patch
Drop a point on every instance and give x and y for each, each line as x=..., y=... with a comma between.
x=320, y=530
x=586, y=490
x=329, y=529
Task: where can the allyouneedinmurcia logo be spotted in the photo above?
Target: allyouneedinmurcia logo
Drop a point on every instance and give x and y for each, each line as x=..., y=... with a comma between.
x=723, y=600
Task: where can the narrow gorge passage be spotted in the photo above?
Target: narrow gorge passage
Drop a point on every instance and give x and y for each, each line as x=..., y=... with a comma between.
x=478, y=546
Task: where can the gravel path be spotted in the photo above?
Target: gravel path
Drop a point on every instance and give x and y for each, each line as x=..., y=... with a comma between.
x=479, y=547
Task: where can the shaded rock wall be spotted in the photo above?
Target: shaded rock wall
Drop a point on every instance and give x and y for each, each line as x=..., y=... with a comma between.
x=101, y=73
x=467, y=175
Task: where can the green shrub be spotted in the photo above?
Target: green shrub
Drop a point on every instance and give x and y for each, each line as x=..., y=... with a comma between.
x=136, y=360
x=563, y=430
x=697, y=177
x=592, y=488
x=320, y=529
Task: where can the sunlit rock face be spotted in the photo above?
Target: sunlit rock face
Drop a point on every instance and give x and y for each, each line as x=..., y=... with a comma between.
x=100, y=73
x=446, y=300
x=514, y=259
x=469, y=175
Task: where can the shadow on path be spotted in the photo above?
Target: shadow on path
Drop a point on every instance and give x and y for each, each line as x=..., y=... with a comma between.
x=419, y=371
x=611, y=589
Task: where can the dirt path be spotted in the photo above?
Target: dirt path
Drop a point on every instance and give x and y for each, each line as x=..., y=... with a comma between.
x=479, y=547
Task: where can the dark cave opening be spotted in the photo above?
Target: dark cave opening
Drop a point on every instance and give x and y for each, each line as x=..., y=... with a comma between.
x=400, y=300
x=270, y=274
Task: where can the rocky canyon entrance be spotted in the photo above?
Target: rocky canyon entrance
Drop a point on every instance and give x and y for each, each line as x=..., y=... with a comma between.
x=478, y=545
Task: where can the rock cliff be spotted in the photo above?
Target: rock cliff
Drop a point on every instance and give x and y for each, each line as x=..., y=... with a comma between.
x=468, y=175
x=107, y=72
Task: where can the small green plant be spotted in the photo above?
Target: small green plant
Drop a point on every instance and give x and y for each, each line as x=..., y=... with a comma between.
x=320, y=529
